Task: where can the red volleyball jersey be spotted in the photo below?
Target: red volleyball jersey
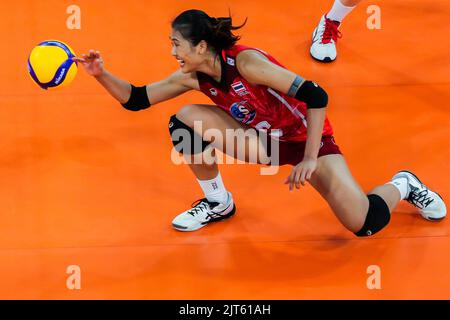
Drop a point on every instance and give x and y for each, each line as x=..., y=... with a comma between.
x=259, y=106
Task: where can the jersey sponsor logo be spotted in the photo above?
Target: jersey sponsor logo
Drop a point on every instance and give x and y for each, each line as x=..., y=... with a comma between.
x=230, y=61
x=239, y=88
x=242, y=113
x=213, y=91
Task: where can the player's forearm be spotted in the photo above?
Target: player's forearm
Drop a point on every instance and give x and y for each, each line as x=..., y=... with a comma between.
x=316, y=119
x=118, y=88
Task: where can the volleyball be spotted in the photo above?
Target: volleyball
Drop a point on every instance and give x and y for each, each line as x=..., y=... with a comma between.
x=50, y=64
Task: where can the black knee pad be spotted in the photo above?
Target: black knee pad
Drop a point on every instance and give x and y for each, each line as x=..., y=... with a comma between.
x=184, y=138
x=377, y=218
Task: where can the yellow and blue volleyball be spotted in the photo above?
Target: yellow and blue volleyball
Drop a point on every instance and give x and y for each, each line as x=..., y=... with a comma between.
x=50, y=64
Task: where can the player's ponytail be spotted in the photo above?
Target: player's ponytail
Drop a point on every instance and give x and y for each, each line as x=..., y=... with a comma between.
x=196, y=25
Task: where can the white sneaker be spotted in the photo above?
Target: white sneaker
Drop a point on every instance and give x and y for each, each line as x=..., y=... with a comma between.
x=430, y=204
x=204, y=212
x=324, y=40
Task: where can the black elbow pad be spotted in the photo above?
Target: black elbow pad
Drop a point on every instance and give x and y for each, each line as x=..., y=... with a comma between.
x=138, y=99
x=313, y=95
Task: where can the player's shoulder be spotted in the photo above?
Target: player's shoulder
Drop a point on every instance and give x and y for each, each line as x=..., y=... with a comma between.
x=248, y=55
x=249, y=60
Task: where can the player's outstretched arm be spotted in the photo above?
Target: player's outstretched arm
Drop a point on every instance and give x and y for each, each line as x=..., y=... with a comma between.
x=131, y=97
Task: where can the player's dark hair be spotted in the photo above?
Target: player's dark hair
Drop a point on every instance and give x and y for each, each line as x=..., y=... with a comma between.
x=196, y=25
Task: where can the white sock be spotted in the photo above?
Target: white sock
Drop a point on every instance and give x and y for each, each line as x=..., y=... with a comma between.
x=339, y=11
x=402, y=185
x=214, y=189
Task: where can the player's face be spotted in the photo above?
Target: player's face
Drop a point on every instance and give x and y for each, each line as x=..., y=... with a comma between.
x=187, y=55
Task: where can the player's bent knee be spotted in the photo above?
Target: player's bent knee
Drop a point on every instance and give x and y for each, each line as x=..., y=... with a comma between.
x=184, y=138
x=377, y=218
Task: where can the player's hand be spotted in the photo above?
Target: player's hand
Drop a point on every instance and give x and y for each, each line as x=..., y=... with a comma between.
x=301, y=173
x=92, y=63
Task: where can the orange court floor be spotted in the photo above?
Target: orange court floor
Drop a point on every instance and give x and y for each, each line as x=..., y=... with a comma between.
x=86, y=183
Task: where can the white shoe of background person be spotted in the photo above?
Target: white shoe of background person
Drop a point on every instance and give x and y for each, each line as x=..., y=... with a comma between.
x=324, y=40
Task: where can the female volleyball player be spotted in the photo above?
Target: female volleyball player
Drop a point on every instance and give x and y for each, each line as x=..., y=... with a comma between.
x=251, y=89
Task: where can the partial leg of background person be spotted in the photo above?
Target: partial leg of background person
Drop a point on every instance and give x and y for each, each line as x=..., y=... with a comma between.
x=350, y=3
